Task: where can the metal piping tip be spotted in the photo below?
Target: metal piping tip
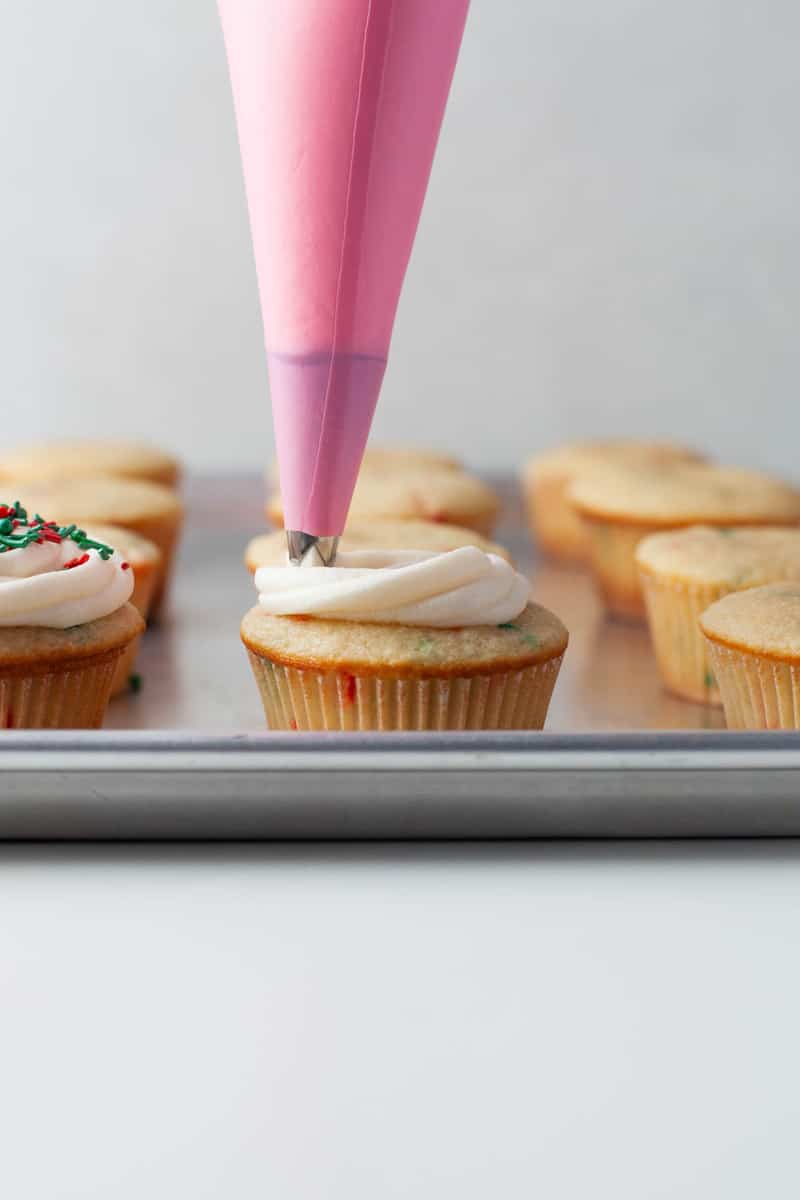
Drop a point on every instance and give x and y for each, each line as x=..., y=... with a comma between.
x=308, y=550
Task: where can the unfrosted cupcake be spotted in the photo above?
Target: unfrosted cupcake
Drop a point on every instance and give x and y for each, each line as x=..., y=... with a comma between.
x=622, y=506
x=395, y=458
x=399, y=458
x=547, y=477
x=148, y=509
x=89, y=457
x=754, y=645
x=269, y=550
x=437, y=494
x=65, y=623
x=402, y=640
x=686, y=570
x=145, y=559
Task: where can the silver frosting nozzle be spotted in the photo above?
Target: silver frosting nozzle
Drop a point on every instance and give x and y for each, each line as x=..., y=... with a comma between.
x=306, y=549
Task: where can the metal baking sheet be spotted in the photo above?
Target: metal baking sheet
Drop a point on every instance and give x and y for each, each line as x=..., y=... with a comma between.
x=188, y=756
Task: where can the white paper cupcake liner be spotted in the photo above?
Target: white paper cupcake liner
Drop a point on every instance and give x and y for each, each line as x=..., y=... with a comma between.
x=73, y=697
x=673, y=614
x=612, y=555
x=757, y=692
x=554, y=523
x=308, y=700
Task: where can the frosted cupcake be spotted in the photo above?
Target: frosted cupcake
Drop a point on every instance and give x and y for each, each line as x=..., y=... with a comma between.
x=402, y=640
x=269, y=550
x=89, y=457
x=435, y=494
x=684, y=571
x=754, y=646
x=150, y=510
x=65, y=622
x=547, y=477
x=620, y=507
x=145, y=560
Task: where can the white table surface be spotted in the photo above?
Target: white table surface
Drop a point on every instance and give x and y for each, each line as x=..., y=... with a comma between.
x=505, y=1021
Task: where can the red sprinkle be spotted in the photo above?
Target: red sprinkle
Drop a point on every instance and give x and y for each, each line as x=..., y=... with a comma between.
x=293, y=724
x=76, y=562
x=125, y=566
x=6, y=511
x=349, y=684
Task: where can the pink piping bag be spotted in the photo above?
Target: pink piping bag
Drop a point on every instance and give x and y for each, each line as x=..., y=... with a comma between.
x=339, y=105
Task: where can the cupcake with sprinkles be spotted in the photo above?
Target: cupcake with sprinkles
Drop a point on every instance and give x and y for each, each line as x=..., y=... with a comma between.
x=402, y=640
x=65, y=622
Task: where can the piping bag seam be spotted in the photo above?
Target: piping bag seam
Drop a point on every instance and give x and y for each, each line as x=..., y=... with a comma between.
x=348, y=198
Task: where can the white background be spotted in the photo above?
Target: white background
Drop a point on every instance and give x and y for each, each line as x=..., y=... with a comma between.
x=609, y=244
x=551, y=1022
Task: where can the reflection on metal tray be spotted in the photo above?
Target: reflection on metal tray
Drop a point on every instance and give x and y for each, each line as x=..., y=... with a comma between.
x=620, y=756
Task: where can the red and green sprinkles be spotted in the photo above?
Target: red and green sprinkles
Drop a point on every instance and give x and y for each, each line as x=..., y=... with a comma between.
x=17, y=531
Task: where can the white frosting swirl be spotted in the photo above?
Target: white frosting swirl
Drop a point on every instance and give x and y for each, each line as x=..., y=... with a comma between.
x=38, y=588
x=403, y=587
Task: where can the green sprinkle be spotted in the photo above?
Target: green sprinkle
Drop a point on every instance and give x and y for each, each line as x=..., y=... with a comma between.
x=530, y=639
x=708, y=680
x=79, y=537
x=724, y=531
x=17, y=532
x=425, y=645
x=135, y=683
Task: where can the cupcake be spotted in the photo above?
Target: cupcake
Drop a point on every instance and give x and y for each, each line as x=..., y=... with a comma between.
x=547, y=477
x=145, y=559
x=684, y=571
x=753, y=640
x=396, y=458
x=269, y=550
x=622, y=506
x=402, y=640
x=400, y=458
x=89, y=458
x=65, y=623
x=147, y=509
x=437, y=494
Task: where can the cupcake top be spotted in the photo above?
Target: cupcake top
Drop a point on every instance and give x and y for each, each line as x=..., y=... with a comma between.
x=89, y=457
x=399, y=587
x=672, y=494
x=579, y=457
x=104, y=499
x=402, y=651
x=403, y=458
x=763, y=620
x=433, y=494
x=397, y=458
x=723, y=557
x=56, y=576
x=269, y=550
